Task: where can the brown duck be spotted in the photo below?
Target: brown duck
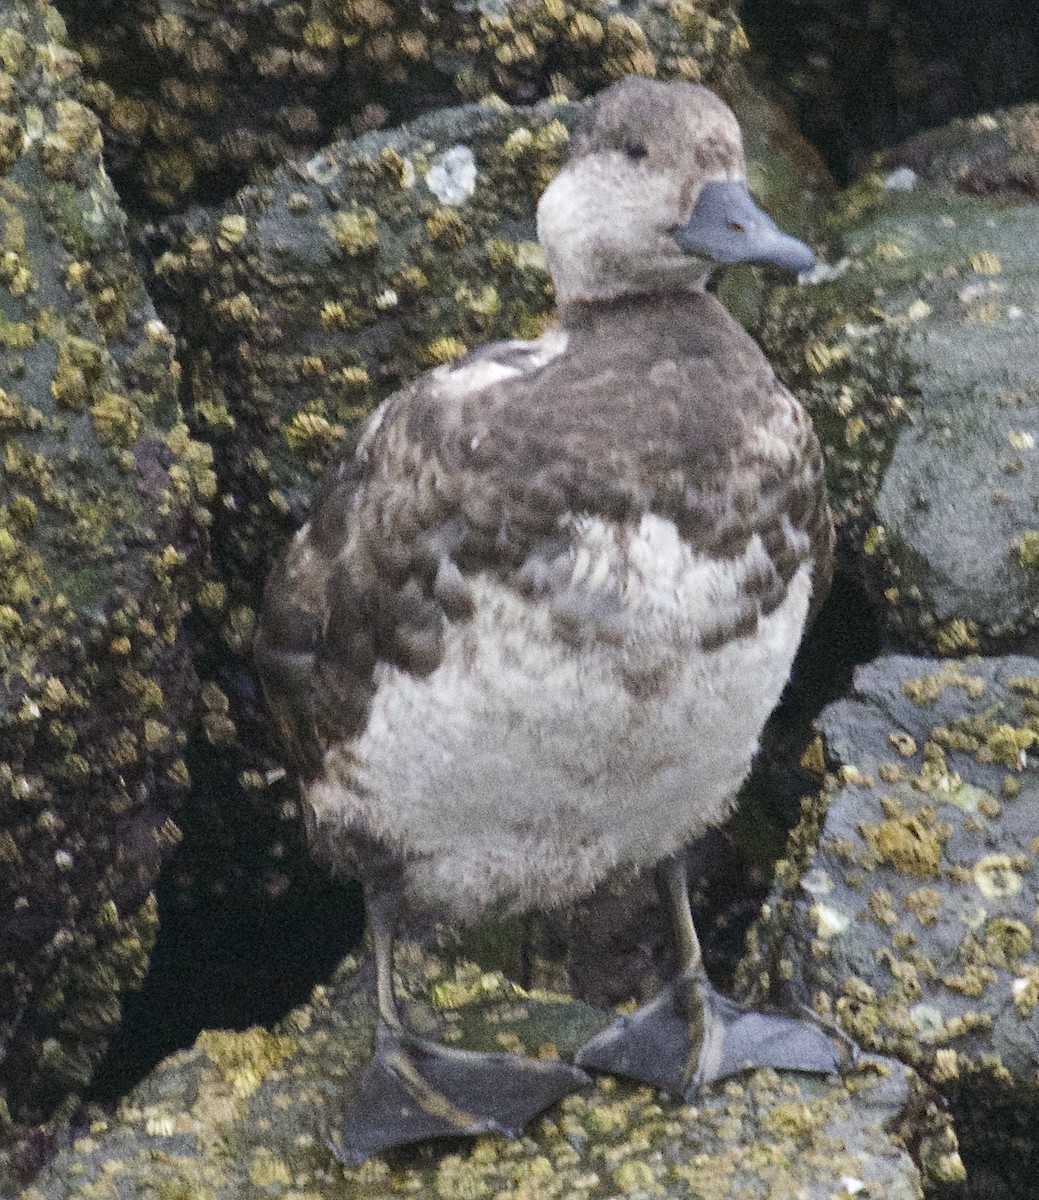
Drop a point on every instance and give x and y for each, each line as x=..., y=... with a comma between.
x=538, y=617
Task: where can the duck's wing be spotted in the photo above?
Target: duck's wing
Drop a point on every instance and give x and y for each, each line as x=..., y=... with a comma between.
x=436, y=488
x=792, y=516
x=745, y=485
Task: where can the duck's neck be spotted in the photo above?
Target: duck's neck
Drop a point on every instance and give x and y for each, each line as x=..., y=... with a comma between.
x=633, y=306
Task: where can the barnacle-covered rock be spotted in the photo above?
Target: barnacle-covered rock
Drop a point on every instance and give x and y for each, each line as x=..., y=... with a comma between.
x=248, y=1113
x=928, y=310
x=996, y=153
x=100, y=491
x=907, y=907
x=194, y=97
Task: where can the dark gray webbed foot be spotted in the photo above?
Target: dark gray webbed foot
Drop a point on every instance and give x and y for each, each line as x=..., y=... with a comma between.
x=690, y=1035
x=415, y=1089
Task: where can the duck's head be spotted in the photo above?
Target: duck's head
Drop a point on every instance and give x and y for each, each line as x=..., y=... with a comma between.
x=653, y=197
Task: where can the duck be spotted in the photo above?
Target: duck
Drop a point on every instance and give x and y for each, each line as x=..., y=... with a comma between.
x=541, y=610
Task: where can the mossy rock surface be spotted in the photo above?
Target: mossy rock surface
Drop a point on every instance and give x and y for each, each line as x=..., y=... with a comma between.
x=910, y=910
x=101, y=490
x=917, y=356
x=245, y=1114
x=195, y=96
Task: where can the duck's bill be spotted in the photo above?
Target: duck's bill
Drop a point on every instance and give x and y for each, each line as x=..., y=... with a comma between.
x=728, y=227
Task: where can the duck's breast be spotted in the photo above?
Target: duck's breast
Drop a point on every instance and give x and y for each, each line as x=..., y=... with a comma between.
x=597, y=720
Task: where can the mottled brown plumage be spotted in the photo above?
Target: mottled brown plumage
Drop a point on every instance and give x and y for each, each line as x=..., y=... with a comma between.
x=665, y=407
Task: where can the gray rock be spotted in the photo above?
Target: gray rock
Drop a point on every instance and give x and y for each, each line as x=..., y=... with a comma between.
x=246, y=1113
x=912, y=920
x=958, y=499
x=919, y=362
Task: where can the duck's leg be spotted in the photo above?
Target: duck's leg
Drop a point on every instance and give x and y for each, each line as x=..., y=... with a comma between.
x=690, y=1035
x=414, y=1088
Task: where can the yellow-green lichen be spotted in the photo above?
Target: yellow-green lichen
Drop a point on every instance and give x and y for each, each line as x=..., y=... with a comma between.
x=16, y=52
x=925, y=690
x=116, y=419
x=955, y=636
x=446, y=228
x=355, y=231
x=312, y=435
x=444, y=350
x=1026, y=548
x=1007, y=744
x=246, y=1059
x=910, y=843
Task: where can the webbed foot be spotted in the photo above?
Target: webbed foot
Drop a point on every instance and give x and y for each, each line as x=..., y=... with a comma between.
x=415, y=1089
x=690, y=1035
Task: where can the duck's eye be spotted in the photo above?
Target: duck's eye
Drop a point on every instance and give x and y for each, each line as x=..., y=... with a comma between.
x=636, y=151
x=736, y=227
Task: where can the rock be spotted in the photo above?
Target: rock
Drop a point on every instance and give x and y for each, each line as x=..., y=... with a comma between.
x=924, y=65
x=916, y=353
x=907, y=909
x=194, y=100
x=244, y=1112
x=100, y=519
x=995, y=153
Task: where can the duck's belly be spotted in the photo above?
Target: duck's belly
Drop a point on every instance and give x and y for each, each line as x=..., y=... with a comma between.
x=526, y=767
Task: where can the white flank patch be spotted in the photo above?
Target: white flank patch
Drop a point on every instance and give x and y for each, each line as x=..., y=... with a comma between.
x=523, y=770
x=457, y=382
x=473, y=377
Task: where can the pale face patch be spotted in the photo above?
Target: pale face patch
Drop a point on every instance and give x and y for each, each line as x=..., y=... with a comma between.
x=604, y=229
